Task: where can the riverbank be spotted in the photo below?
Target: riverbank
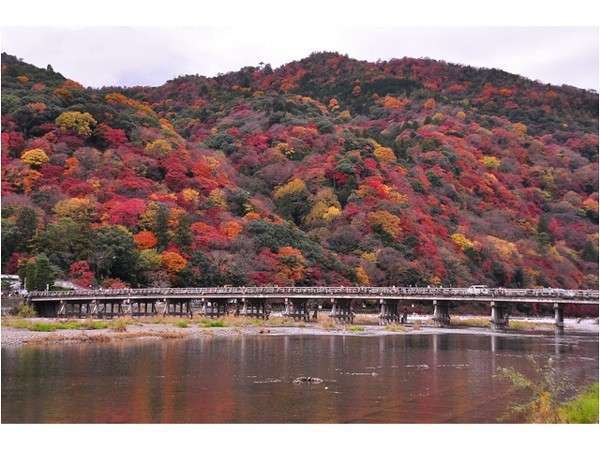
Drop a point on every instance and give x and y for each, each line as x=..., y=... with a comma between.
x=581, y=409
x=19, y=331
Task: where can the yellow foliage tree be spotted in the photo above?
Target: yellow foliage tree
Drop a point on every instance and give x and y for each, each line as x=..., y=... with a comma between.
x=369, y=256
x=504, y=248
x=438, y=118
x=76, y=208
x=159, y=147
x=385, y=221
x=34, y=157
x=491, y=162
x=116, y=97
x=331, y=213
x=190, y=195
x=78, y=122
x=361, y=276
x=285, y=149
x=216, y=198
x=293, y=187
x=148, y=217
x=326, y=207
x=520, y=128
x=461, y=240
x=384, y=154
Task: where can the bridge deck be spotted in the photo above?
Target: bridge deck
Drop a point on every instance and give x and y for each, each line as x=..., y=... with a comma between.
x=327, y=293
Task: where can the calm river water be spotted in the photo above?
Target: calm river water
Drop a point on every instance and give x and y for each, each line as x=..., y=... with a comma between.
x=384, y=379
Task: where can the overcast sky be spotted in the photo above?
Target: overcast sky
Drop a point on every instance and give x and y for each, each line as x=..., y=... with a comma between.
x=108, y=56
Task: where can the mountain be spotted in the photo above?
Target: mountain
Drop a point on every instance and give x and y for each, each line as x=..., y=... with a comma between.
x=325, y=171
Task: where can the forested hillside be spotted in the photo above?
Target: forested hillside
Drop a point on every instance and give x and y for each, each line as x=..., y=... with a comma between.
x=325, y=171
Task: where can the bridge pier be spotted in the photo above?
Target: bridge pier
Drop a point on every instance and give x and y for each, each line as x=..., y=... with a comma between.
x=216, y=307
x=77, y=309
x=185, y=308
x=143, y=311
x=105, y=310
x=255, y=307
x=441, y=313
x=499, y=319
x=341, y=310
x=46, y=309
x=559, y=317
x=298, y=309
x=388, y=312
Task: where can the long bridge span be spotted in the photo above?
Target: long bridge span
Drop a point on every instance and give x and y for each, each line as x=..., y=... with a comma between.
x=301, y=303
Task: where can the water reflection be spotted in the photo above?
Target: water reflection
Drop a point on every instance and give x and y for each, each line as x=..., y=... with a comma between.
x=400, y=378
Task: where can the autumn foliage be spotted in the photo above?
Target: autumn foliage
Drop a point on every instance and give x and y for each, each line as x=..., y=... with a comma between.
x=325, y=171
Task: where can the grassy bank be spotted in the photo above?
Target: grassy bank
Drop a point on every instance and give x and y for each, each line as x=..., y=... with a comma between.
x=582, y=409
x=543, y=391
x=483, y=322
x=121, y=323
x=49, y=326
x=323, y=321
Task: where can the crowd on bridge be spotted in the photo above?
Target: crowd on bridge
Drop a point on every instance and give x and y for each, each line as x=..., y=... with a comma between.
x=325, y=291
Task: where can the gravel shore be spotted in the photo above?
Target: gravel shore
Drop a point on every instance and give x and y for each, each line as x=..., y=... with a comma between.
x=13, y=337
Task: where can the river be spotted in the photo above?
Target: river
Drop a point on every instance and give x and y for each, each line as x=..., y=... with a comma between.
x=420, y=378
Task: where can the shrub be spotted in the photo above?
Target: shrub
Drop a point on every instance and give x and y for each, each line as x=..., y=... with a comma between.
x=26, y=310
x=182, y=324
x=209, y=323
x=119, y=325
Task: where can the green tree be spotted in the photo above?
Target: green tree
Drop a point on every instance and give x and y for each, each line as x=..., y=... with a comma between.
x=38, y=274
x=115, y=254
x=65, y=241
x=17, y=236
x=590, y=252
x=26, y=226
x=544, y=235
x=292, y=200
x=200, y=272
x=9, y=241
x=183, y=235
x=161, y=227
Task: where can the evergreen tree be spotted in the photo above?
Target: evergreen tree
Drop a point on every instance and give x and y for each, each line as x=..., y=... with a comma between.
x=183, y=235
x=161, y=227
x=25, y=226
x=38, y=274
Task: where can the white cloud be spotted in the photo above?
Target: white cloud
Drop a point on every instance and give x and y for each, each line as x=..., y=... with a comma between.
x=102, y=56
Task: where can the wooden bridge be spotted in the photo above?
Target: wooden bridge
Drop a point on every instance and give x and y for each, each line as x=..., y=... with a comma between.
x=300, y=303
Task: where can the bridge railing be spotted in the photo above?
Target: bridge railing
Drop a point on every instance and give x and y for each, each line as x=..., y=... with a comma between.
x=323, y=291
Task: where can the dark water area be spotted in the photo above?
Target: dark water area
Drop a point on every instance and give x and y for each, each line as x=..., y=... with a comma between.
x=443, y=378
